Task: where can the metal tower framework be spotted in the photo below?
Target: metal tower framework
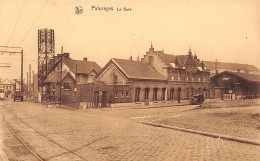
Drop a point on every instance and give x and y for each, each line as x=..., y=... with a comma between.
x=46, y=53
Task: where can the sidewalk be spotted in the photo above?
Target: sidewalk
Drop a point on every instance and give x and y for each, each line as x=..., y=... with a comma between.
x=151, y=105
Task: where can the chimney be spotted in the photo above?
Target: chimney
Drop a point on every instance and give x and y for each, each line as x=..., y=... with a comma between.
x=131, y=58
x=66, y=55
x=216, y=66
x=85, y=59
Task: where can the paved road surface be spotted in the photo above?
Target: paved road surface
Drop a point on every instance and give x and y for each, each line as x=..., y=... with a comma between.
x=111, y=134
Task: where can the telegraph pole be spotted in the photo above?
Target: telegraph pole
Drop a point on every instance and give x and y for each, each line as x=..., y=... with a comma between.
x=16, y=52
x=61, y=72
x=22, y=71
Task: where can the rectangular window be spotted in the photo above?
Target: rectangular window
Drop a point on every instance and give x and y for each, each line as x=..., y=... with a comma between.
x=66, y=86
x=146, y=93
x=126, y=93
x=6, y=87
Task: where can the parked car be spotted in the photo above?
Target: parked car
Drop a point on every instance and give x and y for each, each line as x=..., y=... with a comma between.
x=197, y=100
x=18, y=96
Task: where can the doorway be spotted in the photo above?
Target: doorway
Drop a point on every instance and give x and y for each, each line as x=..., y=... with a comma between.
x=104, y=99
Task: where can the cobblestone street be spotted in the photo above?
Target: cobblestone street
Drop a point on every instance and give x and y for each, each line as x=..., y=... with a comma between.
x=112, y=134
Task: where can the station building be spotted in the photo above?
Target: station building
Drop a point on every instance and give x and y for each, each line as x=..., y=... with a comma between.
x=157, y=77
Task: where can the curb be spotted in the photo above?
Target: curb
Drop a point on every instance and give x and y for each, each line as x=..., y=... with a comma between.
x=219, y=136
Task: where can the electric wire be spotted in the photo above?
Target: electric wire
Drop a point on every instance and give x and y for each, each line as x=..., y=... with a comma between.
x=38, y=16
x=19, y=16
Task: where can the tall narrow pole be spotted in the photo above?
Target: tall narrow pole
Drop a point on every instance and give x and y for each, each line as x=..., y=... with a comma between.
x=27, y=82
x=76, y=72
x=61, y=71
x=60, y=78
x=46, y=55
x=22, y=71
x=33, y=84
x=30, y=79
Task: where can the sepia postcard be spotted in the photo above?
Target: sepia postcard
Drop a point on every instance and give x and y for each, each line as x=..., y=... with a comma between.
x=123, y=80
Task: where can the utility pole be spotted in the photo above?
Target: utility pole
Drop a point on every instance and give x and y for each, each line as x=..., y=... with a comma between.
x=27, y=82
x=33, y=85
x=61, y=73
x=29, y=87
x=22, y=71
x=15, y=52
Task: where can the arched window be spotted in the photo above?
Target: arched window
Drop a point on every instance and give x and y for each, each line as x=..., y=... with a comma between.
x=155, y=91
x=137, y=94
x=187, y=92
x=146, y=93
x=171, y=93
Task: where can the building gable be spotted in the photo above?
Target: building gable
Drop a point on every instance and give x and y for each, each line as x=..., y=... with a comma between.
x=111, y=74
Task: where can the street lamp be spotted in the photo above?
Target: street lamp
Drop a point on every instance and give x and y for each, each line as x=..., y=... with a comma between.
x=15, y=52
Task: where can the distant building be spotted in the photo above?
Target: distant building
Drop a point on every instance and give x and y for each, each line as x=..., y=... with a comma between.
x=73, y=72
x=7, y=86
x=218, y=67
x=241, y=85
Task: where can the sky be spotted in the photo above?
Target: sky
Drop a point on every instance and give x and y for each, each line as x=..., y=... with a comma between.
x=228, y=31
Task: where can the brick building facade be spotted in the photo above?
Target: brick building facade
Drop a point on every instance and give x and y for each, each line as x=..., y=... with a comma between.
x=157, y=77
x=186, y=74
x=73, y=72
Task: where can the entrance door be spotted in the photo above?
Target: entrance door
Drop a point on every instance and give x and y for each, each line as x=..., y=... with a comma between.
x=179, y=95
x=96, y=98
x=104, y=99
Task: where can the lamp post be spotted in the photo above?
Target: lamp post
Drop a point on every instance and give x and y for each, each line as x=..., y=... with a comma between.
x=15, y=52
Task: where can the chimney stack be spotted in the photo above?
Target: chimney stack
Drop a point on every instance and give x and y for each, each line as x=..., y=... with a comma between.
x=85, y=59
x=131, y=58
x=216, y=66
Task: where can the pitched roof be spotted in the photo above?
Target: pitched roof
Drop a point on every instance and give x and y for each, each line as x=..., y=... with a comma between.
x=55, y=76
x=6, y=82
x=231, y=66
x=170, y=60
x=245, y=76
x=137, y=70
x=167, y=58
x=83, y=67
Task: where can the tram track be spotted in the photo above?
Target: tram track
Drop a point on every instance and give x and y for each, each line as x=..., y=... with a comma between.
x=30, y=148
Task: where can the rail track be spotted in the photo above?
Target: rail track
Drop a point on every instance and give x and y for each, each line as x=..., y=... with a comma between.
x=41, y=158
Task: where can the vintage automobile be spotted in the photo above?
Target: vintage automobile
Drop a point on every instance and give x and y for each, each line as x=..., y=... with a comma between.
x=197, y=99
x=18, y=96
